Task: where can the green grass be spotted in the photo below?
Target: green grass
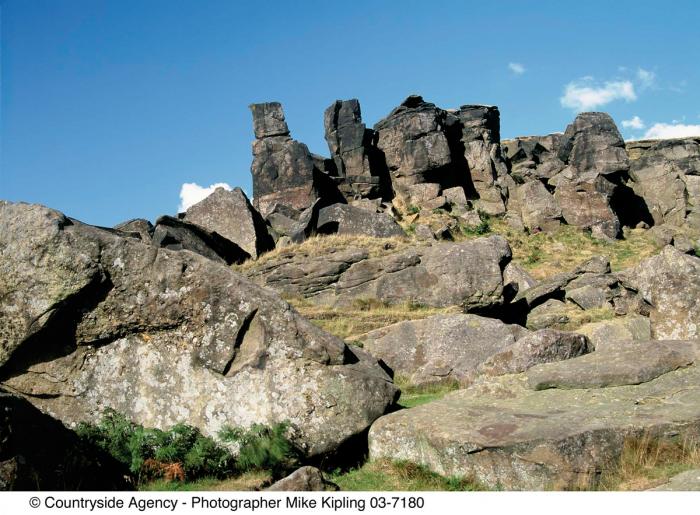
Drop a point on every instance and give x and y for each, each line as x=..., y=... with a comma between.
x=412, y=395
x=243, y=482
x=386, y=475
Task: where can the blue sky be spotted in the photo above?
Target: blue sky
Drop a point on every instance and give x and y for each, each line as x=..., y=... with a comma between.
x=109, y=107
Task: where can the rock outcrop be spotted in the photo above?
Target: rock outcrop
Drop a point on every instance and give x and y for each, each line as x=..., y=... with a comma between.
x=670, y=283
x=467, y=274
x=666, y=175
x=441, y=348
x=508, y=436
x=353, y=151
x=93, y=320
x=488, y=172
x=413, y=141
x=346, y=219
x=175, y=234
x=230, y=214
x=284, y=171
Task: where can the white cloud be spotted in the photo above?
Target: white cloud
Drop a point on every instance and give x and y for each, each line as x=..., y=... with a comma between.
x=646, y=78
x=671, y=130
x=191, y=193
x=516, y=68
x=585, y=94
x=635, y=123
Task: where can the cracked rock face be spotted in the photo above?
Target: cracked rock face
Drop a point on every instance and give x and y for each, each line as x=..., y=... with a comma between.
x=666, y=175
x=230, y=214
x=91, y=320
x=507, y=435
x=670, y=283
x=467, y=274
x=283, y=169
x=412, y=138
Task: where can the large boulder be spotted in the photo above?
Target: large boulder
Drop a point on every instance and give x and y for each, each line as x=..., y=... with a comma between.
x=350, y=144
x=230, y=214
x=508, y=436
x=616, y=363
x=536, y=207
x=346, y=219
x=534, y=157
x=666, y=175
x=37, y=452
x=413, y=141
x=670, y=283
x=633, y=327
x=92, y=320
x=284, y=171
x=488, y=172
x=592, y=143
x=586, y=202
x=175, y=234
x=441, y=348
x=467, y=274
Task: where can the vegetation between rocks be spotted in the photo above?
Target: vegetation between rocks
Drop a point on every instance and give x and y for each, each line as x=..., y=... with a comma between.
x=183, y=453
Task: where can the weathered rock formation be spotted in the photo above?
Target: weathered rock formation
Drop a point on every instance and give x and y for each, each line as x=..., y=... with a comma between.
x=507, y=435
x=94, y=320
x=468, y=274
x=175, y=234
x=346, y=219
x=441, y=348
x=670, y=283
x=353, y=151
x=230, y=214
x=458, y=348
x=666, y=175
x=284, y=171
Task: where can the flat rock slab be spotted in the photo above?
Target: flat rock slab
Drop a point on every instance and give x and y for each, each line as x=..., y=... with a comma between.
x=688, y=481
x=613, y=364
x=440, y=348
x=507, y=436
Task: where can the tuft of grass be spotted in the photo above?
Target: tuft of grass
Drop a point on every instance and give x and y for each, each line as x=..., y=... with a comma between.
x=323, y=244
x=387, y=475
x=363, y=315
x=545, y=254
x=415, y=395
x=254, y=480
x=647, y=461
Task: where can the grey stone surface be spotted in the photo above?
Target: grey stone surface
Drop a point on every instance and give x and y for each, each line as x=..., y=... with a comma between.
x=231, y=215
x=96, y=321
x=615, y=363
x=175, y=234
x=508, y=436
x=468, y=274
x=304, y=479
x=670, y=283
x=346, y=219
x=441, y=348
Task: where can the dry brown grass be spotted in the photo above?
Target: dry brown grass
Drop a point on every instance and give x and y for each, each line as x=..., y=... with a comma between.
x=547, y=254
x=647, y=462
x=363, y=316
x=322, y=244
